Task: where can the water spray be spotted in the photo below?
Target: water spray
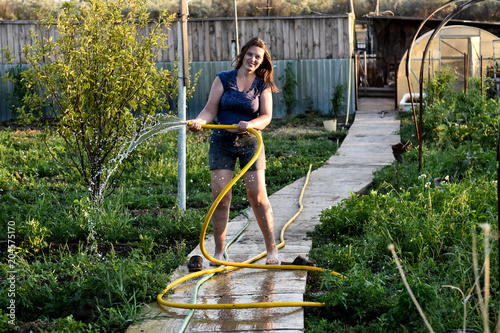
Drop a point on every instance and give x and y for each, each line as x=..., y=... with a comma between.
x=161, y=124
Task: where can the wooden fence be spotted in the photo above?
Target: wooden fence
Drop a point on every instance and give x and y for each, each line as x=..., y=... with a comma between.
x=288, y=38
x=318, y=46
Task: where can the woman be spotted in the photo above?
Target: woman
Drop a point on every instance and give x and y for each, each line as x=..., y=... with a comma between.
x=242, y=96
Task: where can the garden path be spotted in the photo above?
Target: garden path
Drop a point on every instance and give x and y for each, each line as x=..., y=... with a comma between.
x=366, y=148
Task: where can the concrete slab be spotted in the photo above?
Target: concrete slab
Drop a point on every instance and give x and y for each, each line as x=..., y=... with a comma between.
x=366, y=148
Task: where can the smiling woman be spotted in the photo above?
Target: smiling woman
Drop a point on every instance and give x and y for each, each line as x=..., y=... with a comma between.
x=243, y=97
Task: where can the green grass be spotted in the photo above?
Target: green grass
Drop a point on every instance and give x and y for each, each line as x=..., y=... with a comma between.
x=68, y=283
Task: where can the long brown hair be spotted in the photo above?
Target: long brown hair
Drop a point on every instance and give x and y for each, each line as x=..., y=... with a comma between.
x=265, y=69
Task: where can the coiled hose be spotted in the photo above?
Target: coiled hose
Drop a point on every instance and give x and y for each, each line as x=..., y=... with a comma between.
x=228, y=265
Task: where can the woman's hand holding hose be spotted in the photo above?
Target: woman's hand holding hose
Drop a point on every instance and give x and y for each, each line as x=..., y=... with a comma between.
x=195, y=125
x=243, y=126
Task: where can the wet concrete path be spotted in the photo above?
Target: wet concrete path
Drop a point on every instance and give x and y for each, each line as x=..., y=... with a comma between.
x=366, y=148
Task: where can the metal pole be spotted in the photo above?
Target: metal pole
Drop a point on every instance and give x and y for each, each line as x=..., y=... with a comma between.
x=351, y=49
x=481, y=74
x=466, y=72
x=185, y=55
x=237, y=38
x=183, y=81
x=366, y=71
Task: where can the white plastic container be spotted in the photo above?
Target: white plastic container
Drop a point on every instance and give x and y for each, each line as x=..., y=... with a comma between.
x=330, y=125
x=405, y=103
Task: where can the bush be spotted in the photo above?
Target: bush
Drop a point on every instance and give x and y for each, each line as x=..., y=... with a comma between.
x=289, y=93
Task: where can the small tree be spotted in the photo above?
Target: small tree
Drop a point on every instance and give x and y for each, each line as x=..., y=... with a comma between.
x=337, y=100
x=289, y=89
x=97, y=84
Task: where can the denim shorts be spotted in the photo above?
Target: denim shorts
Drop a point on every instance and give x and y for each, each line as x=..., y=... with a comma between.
x=226, y=147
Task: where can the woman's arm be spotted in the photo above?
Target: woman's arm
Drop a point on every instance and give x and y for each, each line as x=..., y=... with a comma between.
x=265, y=113
x=209, y=112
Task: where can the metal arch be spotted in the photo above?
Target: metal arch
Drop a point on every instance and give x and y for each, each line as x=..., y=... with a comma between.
x=408, y=60
x=418, y=32
x=431, y=38
x=419, y=125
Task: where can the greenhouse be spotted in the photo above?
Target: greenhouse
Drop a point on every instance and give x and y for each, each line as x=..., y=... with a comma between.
x=467, y=51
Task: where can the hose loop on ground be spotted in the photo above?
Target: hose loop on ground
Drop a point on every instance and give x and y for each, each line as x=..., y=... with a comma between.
x=228, y=265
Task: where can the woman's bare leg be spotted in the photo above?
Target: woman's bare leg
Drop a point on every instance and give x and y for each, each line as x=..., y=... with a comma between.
x=257, y=195
x=220, y=217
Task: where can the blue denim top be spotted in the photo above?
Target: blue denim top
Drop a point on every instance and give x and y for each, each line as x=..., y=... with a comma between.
x=236, y=105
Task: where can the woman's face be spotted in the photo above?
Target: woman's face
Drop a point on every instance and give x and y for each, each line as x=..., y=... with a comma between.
x=253, y=58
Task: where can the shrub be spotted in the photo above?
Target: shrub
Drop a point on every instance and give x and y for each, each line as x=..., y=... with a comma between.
x=289, y=89
x=337, y=100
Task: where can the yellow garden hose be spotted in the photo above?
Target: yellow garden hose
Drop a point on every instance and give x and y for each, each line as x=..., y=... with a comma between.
x=227, y=265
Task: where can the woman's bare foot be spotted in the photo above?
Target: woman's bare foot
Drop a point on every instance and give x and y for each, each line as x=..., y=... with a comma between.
x=217, y=257
x=273, y=262
x=272, y=257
